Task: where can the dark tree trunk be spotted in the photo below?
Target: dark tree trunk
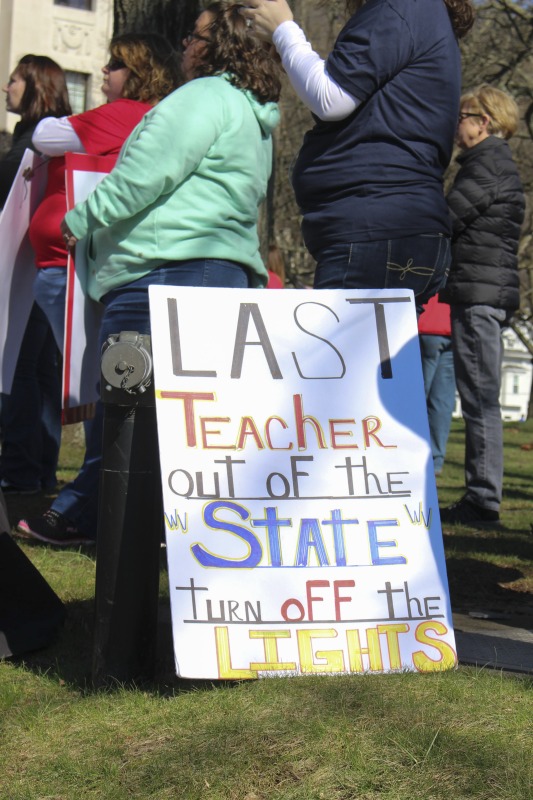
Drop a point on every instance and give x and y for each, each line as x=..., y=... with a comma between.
x=171, y=18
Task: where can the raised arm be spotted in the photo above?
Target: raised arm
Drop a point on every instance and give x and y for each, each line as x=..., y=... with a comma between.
x=272, y=20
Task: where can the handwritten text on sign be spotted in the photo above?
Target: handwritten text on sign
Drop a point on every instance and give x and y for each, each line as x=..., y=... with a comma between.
x=300, y=505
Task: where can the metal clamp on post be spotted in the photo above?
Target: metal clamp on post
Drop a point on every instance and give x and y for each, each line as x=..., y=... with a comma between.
x=127, y=366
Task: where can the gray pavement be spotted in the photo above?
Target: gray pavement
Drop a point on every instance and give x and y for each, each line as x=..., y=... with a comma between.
x=495, y=641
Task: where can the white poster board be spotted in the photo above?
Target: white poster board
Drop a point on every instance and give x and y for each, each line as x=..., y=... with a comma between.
x=81, y=362
x=302, y=523
x=17, y=264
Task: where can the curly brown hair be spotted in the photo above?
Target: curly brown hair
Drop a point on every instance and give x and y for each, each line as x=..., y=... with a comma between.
x=461, y=13
x=45, y=93
x=153, y=63
x=232, y=48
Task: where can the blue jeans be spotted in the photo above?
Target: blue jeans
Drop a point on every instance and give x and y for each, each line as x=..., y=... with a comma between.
x=127, y=309
x=478, y=350
x=420, y=263
x=439, y=385
x=50, y=291
x=31, y=414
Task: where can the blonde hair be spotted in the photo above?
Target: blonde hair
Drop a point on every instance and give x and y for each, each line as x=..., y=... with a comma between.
x=498, y=106
x=153, y=63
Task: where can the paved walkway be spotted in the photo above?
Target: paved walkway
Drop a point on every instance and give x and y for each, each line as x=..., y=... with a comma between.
x=495, y=641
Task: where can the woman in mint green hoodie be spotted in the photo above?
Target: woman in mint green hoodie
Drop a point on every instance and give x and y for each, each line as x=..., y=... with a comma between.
x=192, y=174
x=180, y=208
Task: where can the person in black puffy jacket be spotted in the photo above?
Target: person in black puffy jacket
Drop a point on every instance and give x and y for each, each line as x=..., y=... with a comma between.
x=486, y=203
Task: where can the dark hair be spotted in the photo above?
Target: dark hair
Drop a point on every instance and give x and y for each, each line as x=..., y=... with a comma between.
x=234, y=49
x=45, y=93
x=461, y=13
x=153, y=63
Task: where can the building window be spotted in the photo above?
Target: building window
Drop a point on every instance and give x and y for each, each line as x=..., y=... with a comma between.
x=85, y=5
x=77, y=90
x=516, y=384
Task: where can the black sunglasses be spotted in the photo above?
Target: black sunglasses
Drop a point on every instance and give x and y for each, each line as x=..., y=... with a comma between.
x=463, y=115
x=115, y=63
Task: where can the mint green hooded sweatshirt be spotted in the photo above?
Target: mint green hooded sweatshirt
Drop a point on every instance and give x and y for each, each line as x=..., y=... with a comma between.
x=188, y=184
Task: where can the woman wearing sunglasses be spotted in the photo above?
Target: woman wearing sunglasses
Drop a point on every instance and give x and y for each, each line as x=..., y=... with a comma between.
x=142, y=69
x=180, y=208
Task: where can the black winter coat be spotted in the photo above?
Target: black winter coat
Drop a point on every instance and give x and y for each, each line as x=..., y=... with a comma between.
x=487, y=204
x=10, y=163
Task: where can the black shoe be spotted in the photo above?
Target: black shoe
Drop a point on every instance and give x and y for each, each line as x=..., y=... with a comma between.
x=9, y=488
x=464, y=512
x=53, y=528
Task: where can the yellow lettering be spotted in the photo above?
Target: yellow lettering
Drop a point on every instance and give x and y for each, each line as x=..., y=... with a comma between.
x=448, y=656
x=393, y=644
x=271, y=651
x=225, y=669
x=333, y=660
x=356, y=652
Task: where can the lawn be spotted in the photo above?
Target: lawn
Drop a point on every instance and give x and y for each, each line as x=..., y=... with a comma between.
x=461, y=734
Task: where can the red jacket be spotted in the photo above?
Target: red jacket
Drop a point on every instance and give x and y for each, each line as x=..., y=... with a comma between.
x=435, y=319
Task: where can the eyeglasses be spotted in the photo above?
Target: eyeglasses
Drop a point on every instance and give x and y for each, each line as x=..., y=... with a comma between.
x=464, y=115
x=114, y=64
x=195, y=36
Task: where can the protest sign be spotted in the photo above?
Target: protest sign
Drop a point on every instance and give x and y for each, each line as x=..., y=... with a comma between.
x=302, y=523
x=17, y=265
x=81, y=363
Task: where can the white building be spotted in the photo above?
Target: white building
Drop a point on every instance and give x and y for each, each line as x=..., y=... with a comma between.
x=516, y=377
x=517, y=374
x=75, y=33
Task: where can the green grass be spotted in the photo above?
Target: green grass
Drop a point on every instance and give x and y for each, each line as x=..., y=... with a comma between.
x=460, y=735
x=449, y=736
x=493, y=570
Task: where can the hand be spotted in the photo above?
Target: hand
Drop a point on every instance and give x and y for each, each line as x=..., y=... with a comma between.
x=68, y=237
x=266, y=15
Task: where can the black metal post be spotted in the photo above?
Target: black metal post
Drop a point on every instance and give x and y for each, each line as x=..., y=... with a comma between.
x=129, y=517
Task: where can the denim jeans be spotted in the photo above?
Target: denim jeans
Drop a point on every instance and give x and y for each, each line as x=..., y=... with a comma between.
x=478, y=350
x=439, y=385
x=31, y=414
x=50, y=291
x=420, y=263
x=127, y=309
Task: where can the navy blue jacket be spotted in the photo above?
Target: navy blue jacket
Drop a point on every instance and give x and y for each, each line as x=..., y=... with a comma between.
x=378, y=174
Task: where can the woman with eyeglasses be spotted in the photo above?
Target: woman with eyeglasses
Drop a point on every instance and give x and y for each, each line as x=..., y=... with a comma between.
x=142, y=69
x=180, y=208
x=369, y=176
x=487, y=205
